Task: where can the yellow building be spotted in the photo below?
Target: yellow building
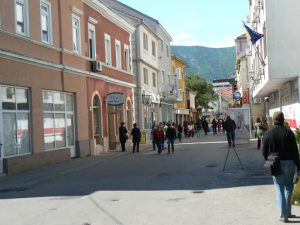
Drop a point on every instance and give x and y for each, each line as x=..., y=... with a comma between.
x=182, y=113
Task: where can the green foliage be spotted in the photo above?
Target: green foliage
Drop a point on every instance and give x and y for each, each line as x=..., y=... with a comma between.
x=297, y=135
x=211, y=63
x=204, y=91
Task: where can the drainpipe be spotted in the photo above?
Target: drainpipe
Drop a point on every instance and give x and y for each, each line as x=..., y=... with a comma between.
x=61, y=44
x=138, y=80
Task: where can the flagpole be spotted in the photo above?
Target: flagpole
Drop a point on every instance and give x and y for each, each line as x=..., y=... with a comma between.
x=259, y=55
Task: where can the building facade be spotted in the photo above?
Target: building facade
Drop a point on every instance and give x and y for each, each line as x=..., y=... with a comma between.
x=276, y=80
x=244, y=77
x=48, y=110
x=182, y=113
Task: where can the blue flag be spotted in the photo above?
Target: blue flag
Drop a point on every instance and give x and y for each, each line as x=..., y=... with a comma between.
x=252, y=35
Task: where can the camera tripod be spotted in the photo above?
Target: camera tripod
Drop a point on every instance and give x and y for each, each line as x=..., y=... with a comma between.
x=233, y=148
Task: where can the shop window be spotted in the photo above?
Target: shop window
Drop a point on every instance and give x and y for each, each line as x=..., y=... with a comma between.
x=16, y=121
x=59, y=123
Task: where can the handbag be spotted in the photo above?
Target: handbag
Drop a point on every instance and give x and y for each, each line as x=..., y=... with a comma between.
x=272, y=166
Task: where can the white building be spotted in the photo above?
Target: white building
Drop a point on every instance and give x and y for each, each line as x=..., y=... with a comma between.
x=278, y=81
x=244, y=77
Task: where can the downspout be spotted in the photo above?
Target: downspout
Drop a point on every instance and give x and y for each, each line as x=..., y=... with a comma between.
x=138, y=80
x=61, y=57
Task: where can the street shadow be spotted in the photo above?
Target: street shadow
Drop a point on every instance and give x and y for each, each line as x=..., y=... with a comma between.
x=195, y=167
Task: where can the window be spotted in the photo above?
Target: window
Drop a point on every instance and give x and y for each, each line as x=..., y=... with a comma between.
x=154, y=79
x=145, y=76
x=76, y=34
x=46, y=22
x=163, y=81
x=22, y=17
x=118, y=54
x=153, y=49
x=97, y=120
x=126, y=58
x=178, y=73
x=168, y=50
x=59, y=123
x=92, y=41
x=107, y=50
x=145, y=41
x=16, y=121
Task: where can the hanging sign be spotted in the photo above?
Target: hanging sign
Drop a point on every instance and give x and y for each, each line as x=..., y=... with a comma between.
x=115, y=98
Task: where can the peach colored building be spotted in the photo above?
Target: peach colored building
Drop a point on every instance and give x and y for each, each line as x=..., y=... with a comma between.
x=61, y=63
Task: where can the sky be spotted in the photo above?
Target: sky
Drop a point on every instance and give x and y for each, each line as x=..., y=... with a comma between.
x=209, y=23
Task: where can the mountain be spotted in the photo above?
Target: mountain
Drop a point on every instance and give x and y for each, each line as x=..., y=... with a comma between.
x=211, y=63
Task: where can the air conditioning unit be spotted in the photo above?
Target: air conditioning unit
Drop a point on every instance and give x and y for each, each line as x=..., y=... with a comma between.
x=96, y=65
x=257, y=100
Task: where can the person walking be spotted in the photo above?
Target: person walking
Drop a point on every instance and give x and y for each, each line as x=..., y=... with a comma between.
x=260, y=129
x=281, y=142
x=205, y=125
x=136, y=138
x=214, y=126
x=152, y=137
x=170, y=136
x=123, y=136
x=198, y=129
x=159, y=137
x=230, y=127
x=179, y=134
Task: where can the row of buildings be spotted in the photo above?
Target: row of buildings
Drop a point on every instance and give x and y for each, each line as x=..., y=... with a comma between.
x=72, y=70
x=269, y=70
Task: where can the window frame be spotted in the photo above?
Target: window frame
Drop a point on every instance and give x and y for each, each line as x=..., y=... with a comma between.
x=145, y=42
x=118, y=50
x=66, y=112
x=168, y=50
x=25, y=11
x=93, y=55
x=49, y=21
x=146, y=78
x=154, y=79
x=107, y=51
x=78, y=34
x=153, y=49
x=16, y=111
x=127, y=58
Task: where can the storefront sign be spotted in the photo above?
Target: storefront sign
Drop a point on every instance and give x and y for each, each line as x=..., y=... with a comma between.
x=115, y=98
x=237, y=95
x=245, y=97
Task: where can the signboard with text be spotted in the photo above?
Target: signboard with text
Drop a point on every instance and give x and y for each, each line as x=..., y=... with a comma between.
x=115, y=98
x=245, y=97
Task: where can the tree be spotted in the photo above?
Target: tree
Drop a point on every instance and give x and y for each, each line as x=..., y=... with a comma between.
x=204, y=91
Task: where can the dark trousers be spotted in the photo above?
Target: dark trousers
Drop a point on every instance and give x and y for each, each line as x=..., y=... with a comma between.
x=230, y=137
x=123, y=146
x=159, y=145
x=170, y=142
x=153, y=144
x=137, y=145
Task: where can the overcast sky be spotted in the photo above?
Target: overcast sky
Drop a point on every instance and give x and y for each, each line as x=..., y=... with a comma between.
x=210, y=23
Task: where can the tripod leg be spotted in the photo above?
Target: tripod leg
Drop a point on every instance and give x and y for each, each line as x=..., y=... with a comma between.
x=226, y=158
x=238, y=158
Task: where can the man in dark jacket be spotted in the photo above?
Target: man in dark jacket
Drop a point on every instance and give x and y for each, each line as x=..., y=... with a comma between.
x=230, y=127
x=170, y=135
x=123, y=136
x=136, y=138
x=281, y=141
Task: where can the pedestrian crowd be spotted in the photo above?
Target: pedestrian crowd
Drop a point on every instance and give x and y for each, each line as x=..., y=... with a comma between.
x=164, y=134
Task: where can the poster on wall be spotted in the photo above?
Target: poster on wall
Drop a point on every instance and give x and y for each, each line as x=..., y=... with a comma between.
x=291, y=115
x=241, y=116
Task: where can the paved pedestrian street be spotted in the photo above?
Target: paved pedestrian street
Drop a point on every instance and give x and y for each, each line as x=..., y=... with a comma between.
x=116, y=188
